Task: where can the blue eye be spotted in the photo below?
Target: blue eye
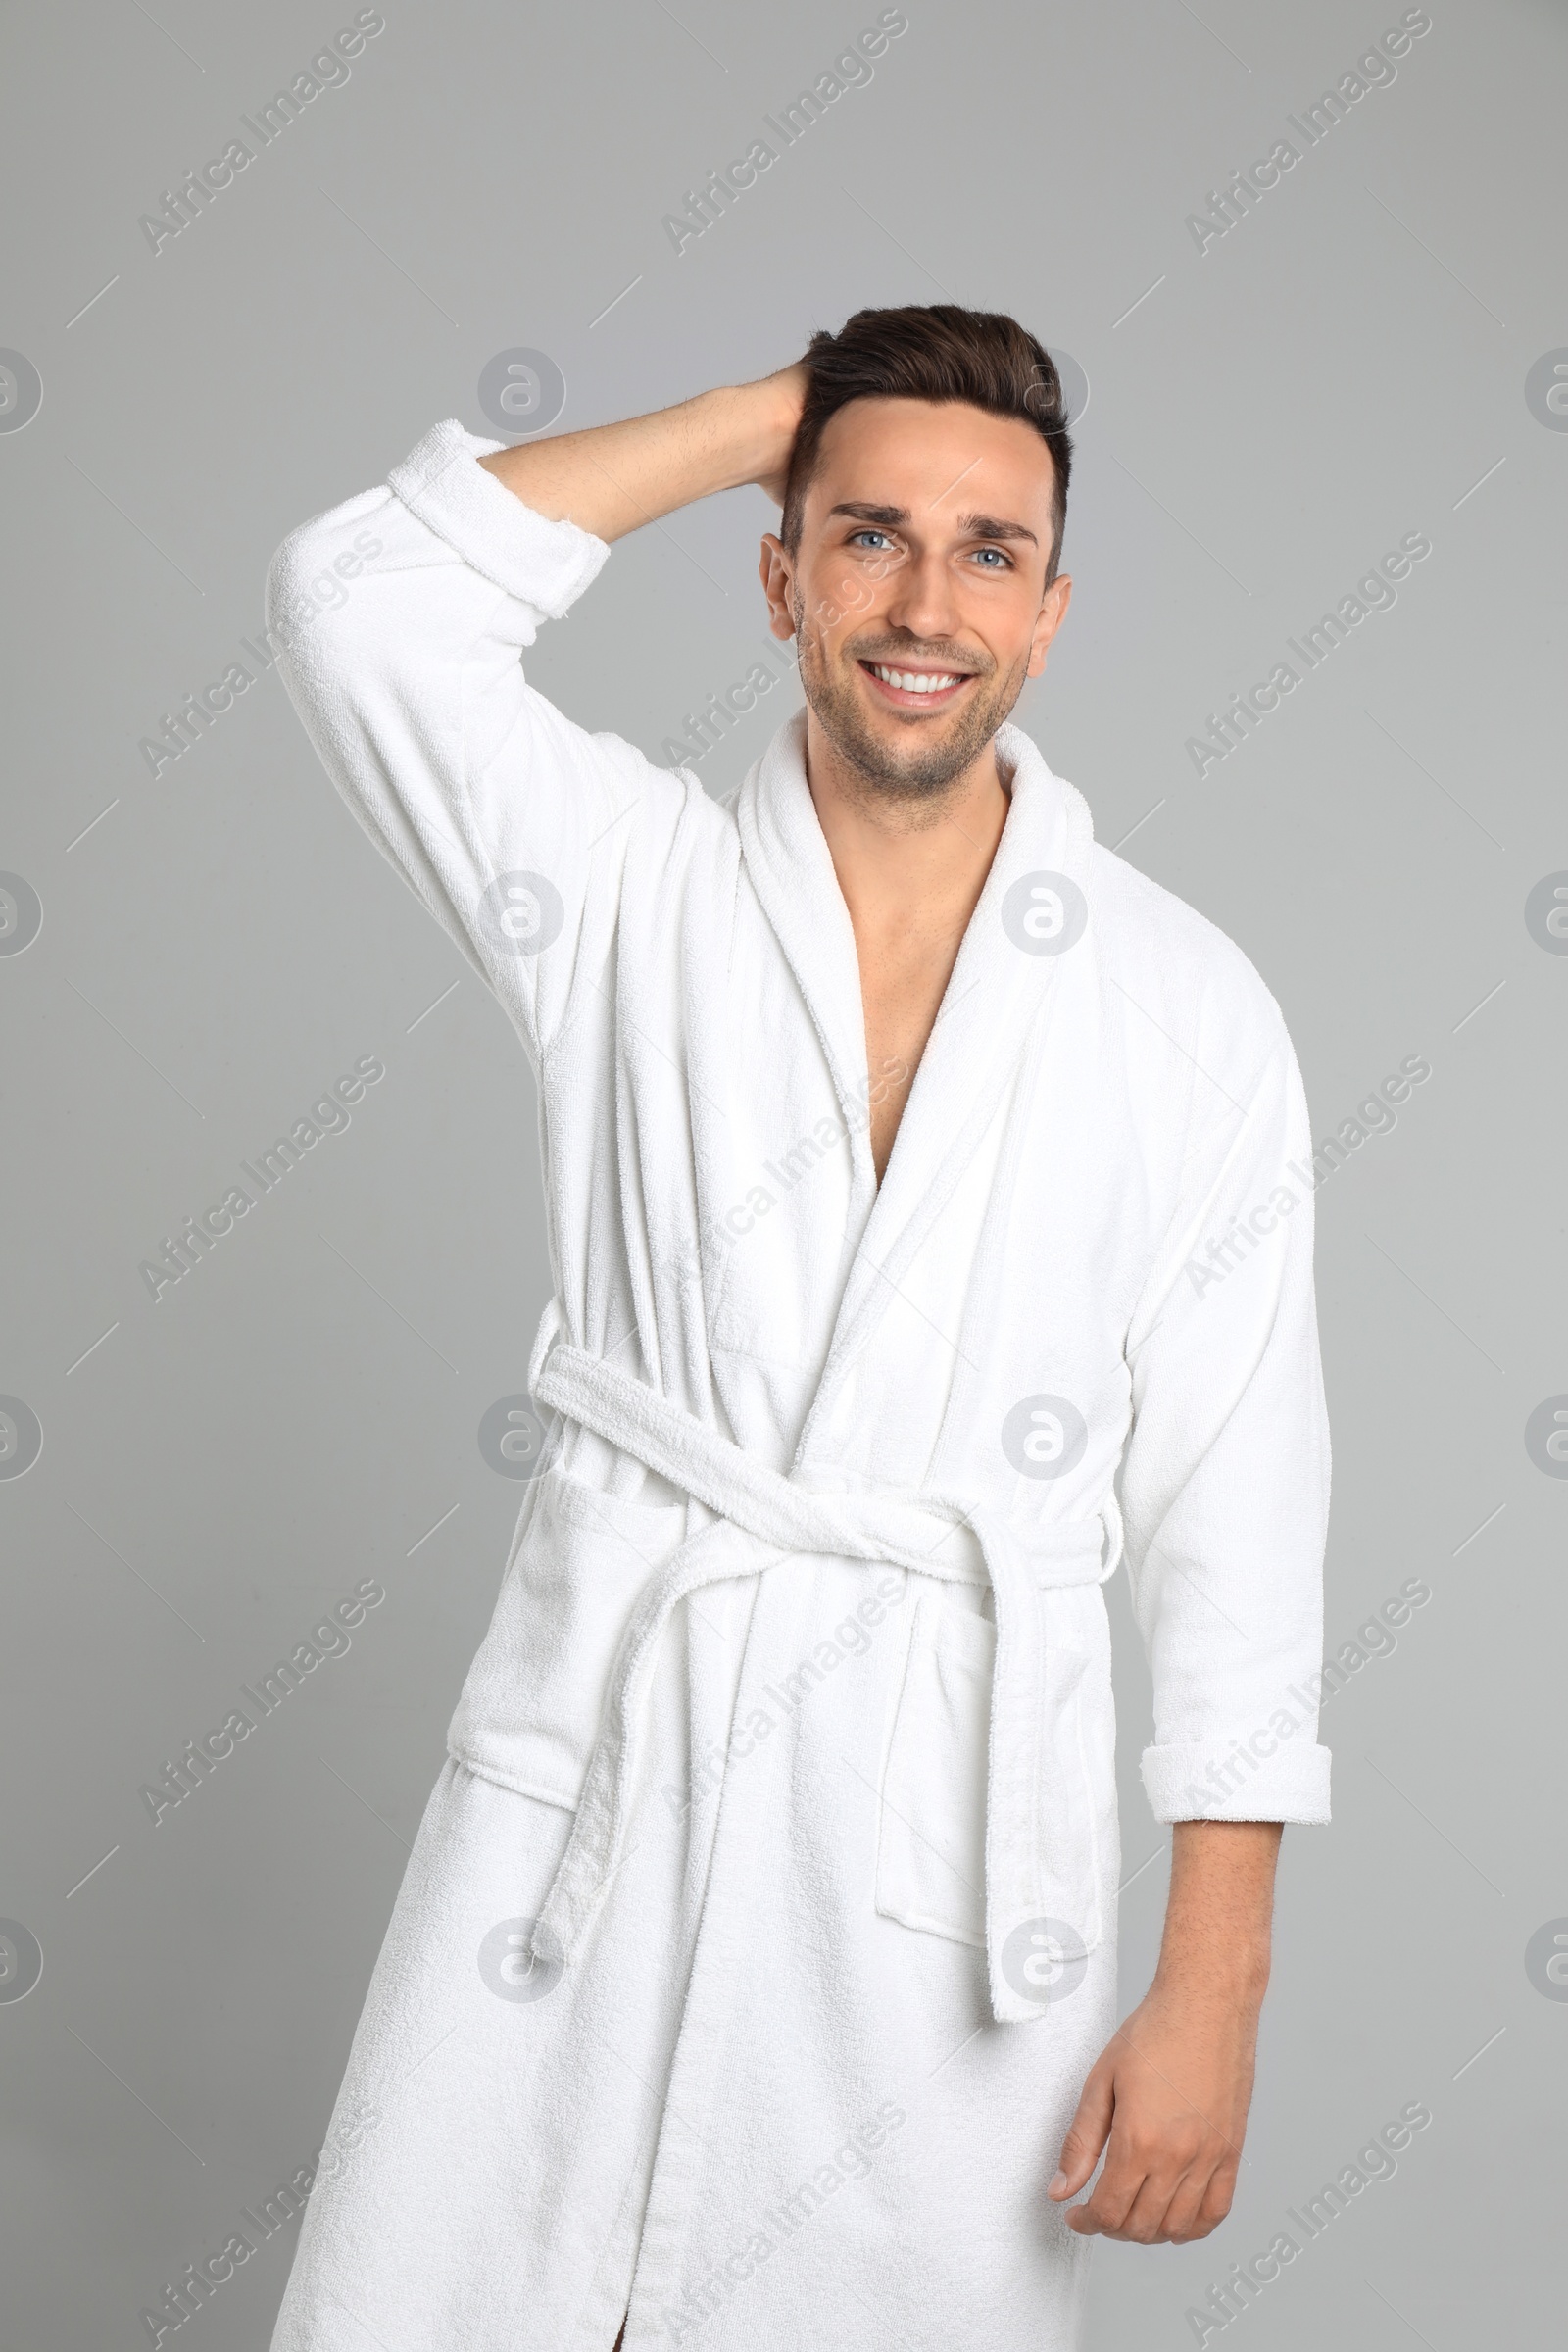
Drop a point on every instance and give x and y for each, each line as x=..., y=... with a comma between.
x=866, y=531
x=1003, y=560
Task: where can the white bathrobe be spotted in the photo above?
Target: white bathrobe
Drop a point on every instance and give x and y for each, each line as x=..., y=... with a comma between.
x=761, y=1928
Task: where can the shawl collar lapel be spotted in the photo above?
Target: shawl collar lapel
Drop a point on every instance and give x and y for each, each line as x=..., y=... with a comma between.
x=1032, y=911
x=790, y=870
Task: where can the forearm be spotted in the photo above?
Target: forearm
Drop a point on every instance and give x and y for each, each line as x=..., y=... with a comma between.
x=1219, y=1912
x=612, y=478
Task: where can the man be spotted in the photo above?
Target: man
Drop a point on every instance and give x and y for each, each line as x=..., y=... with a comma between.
x=916, y=1178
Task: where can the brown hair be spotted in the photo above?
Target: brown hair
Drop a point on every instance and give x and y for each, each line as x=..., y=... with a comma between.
x=938, y=352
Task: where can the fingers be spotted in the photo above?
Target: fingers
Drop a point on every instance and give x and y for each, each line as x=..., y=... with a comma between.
x=1160, y=2186
x=1102, y=2215
x=1135, y=2210
x=1129, y=2197
x=1184, y=2216
x=1154, y=2199
x=1087, y=2134
x=1216, y=2199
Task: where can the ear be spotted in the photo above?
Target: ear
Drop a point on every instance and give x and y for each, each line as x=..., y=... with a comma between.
x=1053, y=613
x=776, y=573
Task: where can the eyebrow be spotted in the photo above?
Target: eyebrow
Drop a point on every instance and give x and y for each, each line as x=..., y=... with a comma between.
x=972, y=526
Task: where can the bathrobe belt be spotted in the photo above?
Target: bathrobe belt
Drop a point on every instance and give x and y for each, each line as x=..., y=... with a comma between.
x=761, y=1516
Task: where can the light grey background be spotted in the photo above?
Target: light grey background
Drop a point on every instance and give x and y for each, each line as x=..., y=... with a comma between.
x=1266, y=418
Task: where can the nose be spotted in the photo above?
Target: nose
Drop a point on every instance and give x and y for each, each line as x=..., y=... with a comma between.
x=923, y=602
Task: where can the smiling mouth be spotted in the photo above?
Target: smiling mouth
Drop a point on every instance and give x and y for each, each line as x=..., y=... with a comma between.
x=917, y=689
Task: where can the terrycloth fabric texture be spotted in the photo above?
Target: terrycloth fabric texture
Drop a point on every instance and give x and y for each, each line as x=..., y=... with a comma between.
x=762, y=1927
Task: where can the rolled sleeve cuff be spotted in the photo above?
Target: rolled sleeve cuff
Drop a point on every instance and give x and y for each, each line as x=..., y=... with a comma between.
x=1200, y=1782
x=547, y=565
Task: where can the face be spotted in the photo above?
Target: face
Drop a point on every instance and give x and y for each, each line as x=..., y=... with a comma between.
x=917, y=594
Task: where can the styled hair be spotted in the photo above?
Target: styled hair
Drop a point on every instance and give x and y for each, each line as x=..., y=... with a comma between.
x=937, y=352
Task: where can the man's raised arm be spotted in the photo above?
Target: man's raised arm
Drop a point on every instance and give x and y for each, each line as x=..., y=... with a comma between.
x=612, y=478
x=401, y=615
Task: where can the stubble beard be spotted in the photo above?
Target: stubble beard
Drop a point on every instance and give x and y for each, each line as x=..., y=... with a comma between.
x=924, y=769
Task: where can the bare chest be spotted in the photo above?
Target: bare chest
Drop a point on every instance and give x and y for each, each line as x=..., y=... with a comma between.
x=901, y=994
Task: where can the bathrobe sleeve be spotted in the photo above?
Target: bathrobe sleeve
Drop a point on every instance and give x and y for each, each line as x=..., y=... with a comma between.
x=1225, y=1476
x=401, y=618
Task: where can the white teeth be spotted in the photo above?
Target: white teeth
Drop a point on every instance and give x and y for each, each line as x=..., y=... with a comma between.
x=916, y=681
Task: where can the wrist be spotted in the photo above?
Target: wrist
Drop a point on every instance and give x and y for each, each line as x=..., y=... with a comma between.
x=749, y=429
x=1235, y=1974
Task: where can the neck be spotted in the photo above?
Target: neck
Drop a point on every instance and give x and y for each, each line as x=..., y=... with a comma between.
x=906, y=862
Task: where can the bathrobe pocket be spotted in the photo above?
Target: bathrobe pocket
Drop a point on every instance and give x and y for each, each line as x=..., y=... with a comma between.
x=531, y=1705
x=931, y=1839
